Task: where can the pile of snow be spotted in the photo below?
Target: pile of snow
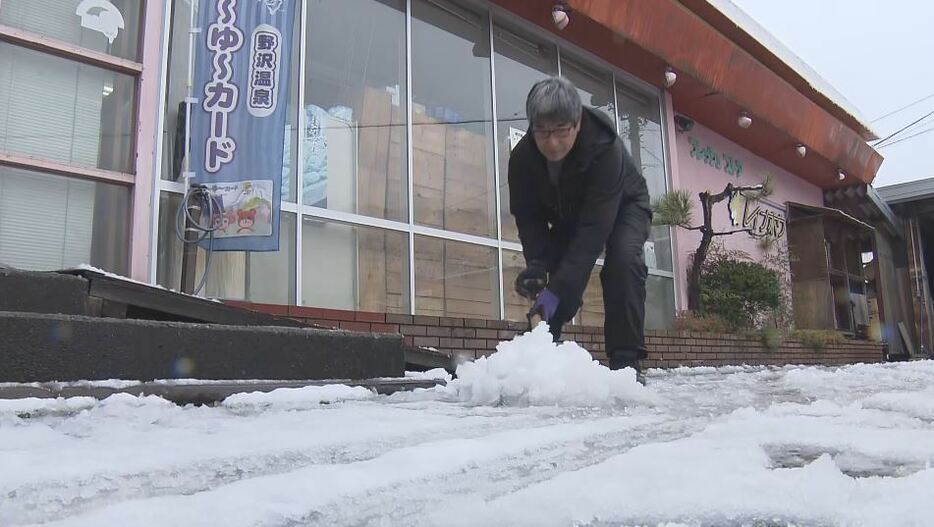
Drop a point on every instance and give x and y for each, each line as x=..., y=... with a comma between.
x=297, y=398
x=531, y=370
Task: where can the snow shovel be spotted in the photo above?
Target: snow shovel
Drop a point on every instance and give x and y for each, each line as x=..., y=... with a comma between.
x=534, y=316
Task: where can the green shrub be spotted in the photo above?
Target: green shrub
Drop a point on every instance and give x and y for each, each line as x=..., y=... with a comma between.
x=706, y=323
x=772, y=338
x=742, y=293
x=817, y=339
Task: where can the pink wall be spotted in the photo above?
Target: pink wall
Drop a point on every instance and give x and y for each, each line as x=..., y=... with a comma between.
x=141, y=250
x=696, y=176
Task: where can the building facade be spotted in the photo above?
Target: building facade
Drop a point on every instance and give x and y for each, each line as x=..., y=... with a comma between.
x=402, y=114
x=913, y=204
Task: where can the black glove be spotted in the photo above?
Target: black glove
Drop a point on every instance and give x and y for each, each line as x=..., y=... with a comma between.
x=531, y=280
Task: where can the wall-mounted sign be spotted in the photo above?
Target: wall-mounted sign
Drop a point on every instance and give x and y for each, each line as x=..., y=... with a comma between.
x=709, y=156
x=757, y=216
x=238, y=126
x=764, y=221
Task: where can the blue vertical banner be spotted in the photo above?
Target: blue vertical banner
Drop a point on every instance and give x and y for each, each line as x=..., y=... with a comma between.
x=241, y=84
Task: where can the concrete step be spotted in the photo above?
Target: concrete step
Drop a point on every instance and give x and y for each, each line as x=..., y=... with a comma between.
x=38, y=347
x=97, y=294
x=36, y=292
x=199, y=391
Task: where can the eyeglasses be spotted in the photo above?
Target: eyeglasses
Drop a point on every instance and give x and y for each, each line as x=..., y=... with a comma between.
x=562, y=132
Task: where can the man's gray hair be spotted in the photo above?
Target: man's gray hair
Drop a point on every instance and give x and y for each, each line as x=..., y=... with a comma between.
x=553, y=100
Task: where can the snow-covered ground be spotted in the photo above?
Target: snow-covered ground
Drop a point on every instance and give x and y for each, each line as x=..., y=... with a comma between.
x=535, y=435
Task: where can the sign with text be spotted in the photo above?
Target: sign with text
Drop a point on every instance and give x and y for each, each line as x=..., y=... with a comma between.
x=238, y=125
x=710, y=156
x=759, y=217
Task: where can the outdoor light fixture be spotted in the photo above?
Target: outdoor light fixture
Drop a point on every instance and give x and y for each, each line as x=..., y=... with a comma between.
x=841, y=175
x=670, y=77
x=801, y=150
x=559, y=16
x=744, y=121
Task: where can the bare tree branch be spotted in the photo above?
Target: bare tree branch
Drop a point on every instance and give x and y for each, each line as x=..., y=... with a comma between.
x=717, y=198
x=750, y=231
x=675, y=210
x=730, y=190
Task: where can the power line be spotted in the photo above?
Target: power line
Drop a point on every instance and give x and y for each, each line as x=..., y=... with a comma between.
x=900, y=130
x=893, y=112
x=922, y=132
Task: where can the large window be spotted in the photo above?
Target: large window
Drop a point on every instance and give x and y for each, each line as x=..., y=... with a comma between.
x=364, y=244
x=594, y=85
x=353, y=267
x=355, y=108
x=51, y=222
x=170, y=249
x=659, y=302
x=255, y=276
x=452, y=123
x=640, y=128
x=260, y=277
x=67, y=132
x=110, y=27
x=521, y=61
x=176, y=90
x=65, y=111
x=516, y=306
x=455, y=279
x=641, y=131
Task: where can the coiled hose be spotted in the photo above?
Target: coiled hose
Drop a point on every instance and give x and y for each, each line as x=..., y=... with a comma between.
x=198, y=198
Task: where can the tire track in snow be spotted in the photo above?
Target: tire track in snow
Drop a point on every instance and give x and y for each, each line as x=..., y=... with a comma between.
x=295, y=497
x=408, y=502
x=48, y=500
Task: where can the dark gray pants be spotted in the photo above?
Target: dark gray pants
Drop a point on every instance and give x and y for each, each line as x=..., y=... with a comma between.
x=623, y=278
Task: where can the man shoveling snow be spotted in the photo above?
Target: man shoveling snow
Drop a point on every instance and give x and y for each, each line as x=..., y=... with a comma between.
x=574, y=191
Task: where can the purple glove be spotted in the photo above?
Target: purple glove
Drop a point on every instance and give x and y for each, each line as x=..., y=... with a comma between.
x=546, y=304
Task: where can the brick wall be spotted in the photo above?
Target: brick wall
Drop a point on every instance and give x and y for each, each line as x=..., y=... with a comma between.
x=667, y=349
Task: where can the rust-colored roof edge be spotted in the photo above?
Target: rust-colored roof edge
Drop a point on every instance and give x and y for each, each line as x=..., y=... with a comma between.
x=743, y=37
x=678, y=36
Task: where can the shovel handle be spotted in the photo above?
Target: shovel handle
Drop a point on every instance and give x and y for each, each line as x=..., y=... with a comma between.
x=534, y=316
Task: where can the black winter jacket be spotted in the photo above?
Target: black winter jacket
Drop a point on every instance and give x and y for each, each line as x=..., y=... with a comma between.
x=567, y=226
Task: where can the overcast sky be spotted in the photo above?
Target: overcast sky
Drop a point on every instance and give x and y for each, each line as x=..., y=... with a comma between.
x=879, y=54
